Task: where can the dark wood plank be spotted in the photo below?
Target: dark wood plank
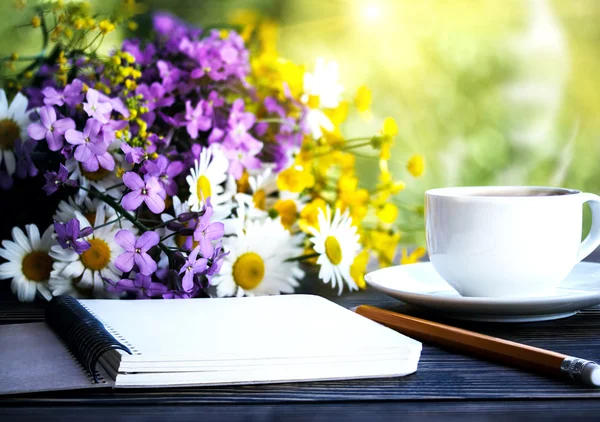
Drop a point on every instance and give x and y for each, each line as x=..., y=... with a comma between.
x=573, y=411
x=444, y=378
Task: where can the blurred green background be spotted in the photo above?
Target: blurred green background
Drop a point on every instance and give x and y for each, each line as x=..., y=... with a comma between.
x=490, y=92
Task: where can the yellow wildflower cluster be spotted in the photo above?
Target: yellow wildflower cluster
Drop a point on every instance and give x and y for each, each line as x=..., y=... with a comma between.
x=323, y=172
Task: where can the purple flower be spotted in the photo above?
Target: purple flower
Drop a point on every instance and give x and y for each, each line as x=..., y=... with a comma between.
x=148, y=190
x=155, y=96
x=175, y=294
x=217, y=259
x=198, y=118
x=50, y=128
x=96, y=108
x=143, y=58
x=142, y=286
x=25, y=166
x=191, y=267
x=68, y=235
x=91, y=145
x=136, y=251
x=133, y=155
x=169, y=74
x=54, y=180
x=217, y=57
x=165, y=172
x=240, y=159
x=71, y=94
x=206, y=231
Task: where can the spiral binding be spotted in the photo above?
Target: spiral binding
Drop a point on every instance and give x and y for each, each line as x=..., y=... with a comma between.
x=83, y=333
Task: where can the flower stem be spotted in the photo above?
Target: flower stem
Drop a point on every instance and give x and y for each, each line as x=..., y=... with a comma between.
x=111, y=201
x=116, y=220
x=303, y=257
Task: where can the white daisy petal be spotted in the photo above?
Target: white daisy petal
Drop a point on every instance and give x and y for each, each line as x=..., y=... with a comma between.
x=34, y=235
x=18, y=107
x=10, y=161
x=21, y=239
x=3, y=105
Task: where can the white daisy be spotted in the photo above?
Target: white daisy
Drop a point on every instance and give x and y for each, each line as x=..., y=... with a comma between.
x=317, y=121
x=256, y=264
x=263, y=186
x=14, y=119
x=338, y=244
x=210, y=178
x=81, y=275
x=323, y=83
x=100, y=179
x=29, y=263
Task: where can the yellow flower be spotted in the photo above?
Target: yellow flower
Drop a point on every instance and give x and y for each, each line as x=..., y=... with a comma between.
x=384, y=243
x=295, y=179
x=309, y=214
x=267, y=34
x=245, y=18
x=416, y=165
x=36, y=21
x=78, y=23
x=345, y=160
x=287, y=211
x=390, y=128
x=362, y=100
x=387, y=213
x=353, y=198
x=413, y=257
x=338, y=115
x=359, y=268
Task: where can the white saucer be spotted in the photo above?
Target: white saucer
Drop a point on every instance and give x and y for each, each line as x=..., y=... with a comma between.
x=420, y=285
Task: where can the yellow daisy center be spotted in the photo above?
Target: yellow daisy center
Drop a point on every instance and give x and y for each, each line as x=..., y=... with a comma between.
x=36, y=266
x=203, y=188
x=97, y=175
x=97, y=256
x=260, y=199
x=333, y=250
x=9, y=133
x=248, y=270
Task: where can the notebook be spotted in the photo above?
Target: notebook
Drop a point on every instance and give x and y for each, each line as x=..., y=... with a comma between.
x=197, y=342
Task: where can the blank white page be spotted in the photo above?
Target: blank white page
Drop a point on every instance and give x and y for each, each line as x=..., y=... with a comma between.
x=245, y=328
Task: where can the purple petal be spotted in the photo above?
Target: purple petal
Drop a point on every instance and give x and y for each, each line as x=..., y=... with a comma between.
x=47, y=116
x=36, y=131
x=133, y=181
x=155, y=203
x=107, y=161
x=215, y=231
x=124, y=262
x=83, y=154
x=147, y=240
x=54, y=140
x=187, y=282
x=74, y=137
x=125, y=239
x=62, y=125
x=133, y=200
x=145, y=263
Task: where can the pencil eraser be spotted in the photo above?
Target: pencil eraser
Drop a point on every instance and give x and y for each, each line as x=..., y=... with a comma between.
x=591, y=374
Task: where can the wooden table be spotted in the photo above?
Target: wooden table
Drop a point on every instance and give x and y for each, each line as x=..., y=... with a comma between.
x=447, y=385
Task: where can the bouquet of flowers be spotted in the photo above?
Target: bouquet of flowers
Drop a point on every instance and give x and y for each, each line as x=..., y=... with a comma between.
x=194, y=162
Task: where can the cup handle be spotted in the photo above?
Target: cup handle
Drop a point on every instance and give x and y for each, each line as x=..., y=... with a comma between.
x=591, y=242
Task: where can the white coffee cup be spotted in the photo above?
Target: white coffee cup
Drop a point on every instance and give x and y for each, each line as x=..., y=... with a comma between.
x=508, y=241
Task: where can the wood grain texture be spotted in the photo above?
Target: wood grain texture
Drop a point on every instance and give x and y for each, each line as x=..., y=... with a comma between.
x=446, y=383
